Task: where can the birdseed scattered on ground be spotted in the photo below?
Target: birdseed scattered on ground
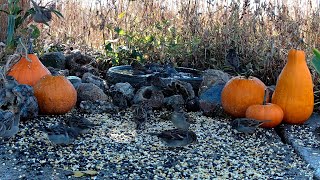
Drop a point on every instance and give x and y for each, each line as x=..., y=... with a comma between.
x=117, y=151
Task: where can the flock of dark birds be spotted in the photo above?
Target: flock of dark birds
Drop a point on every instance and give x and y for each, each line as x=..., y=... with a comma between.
x=66, y=131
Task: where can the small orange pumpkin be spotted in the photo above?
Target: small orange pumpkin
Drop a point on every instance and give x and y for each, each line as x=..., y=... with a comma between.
x=266, y=111
x=241, y=92
x=26, y=72
x=55, y=95
x=294, y=89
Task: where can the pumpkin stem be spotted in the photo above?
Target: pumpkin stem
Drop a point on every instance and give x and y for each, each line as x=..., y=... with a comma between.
x=299, y=43
x=248, y=73
x=25, y=50
x=265, y=96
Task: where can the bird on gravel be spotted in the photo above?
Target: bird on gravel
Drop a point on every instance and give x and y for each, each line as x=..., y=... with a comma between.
x=180, y=118
x=60, y=134
x=141, y=112
x=9, y=121
x=176, y=137
x=246, y=125
x=81, y=124
x=119, y=99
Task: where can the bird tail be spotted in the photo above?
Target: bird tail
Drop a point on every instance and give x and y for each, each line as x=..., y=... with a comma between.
x=264, y=121
x=153, y=134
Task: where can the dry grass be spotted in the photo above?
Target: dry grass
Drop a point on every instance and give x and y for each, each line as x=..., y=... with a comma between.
x=195, y=35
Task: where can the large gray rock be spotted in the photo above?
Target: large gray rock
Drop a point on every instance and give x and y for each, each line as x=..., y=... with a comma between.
x=211, y=76
x=210, y=99
x=90, y=78
x=54, y=59
x=149, y=94
x=75, y=81
x=90, y=92
x=125, y=88
x=304, y=141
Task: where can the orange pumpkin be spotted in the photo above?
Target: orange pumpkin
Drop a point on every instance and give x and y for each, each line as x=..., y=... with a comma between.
x=265, y=111
x=55, y=95
x=26, y=72
x=294, y=89
x=239, y=93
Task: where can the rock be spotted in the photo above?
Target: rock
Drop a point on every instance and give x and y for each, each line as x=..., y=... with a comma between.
x=78, y=64
x=75, y=81
x=90, y=92
x=98, y=106
x=58, y=72
x=18, y=96
x=90, y=78
x=305, y=144
x=150, y=95
x=28, y=102
x=54, y=59
x=174, y=100
x=183, y=88
x=125, y=88
x=210, y=99
x=210, y=77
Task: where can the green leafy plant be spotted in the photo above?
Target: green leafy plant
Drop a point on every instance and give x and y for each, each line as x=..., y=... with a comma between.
x=316, y=60
x=17, y=17
x=122, y=54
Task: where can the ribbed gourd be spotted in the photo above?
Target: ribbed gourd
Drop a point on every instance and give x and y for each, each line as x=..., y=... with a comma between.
x=294, y=89
x=239, y=93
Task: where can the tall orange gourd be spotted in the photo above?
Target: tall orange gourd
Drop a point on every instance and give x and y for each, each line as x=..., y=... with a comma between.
x=28, y=72
x=294, y=89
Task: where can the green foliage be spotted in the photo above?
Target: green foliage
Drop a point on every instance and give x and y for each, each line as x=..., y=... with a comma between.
x=316, y=60
x=122, y=54
x=16, y=18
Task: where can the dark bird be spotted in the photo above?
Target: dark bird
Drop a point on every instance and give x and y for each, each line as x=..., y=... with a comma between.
x=153, y=67
x=119, y=99
x=156, y=99
x=81, y=124
x=232, y=60
x=141, y=112
x=180, y=118
x=157, y=82
x=245, y=125
x=9, y=121
x=60, y=134
x=169, y=69
x=42, y=14
x=137, y=68
x=176, y=137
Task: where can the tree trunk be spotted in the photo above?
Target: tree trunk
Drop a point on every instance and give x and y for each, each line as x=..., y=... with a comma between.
x=25, y=4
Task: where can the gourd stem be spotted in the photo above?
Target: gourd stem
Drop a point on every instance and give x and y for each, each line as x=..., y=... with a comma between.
x=265, y=96
x=248, y=73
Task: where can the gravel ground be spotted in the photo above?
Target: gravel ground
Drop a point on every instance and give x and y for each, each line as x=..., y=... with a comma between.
x=117, y=151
